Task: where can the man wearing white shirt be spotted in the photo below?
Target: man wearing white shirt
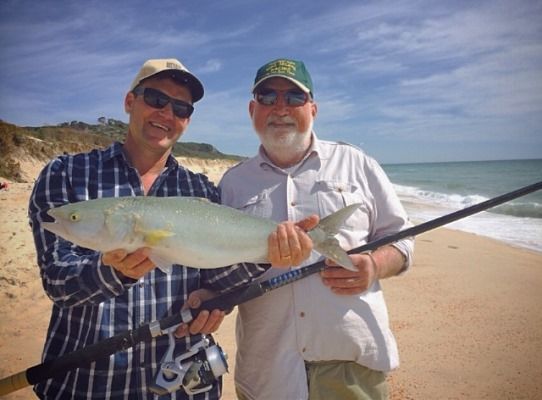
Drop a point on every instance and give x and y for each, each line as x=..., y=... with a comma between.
x=327, y=336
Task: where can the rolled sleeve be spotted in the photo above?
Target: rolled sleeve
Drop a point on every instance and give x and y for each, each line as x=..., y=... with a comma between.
x=389, y=216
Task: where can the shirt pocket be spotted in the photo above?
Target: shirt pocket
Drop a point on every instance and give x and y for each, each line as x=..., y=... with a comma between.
x=257, y=205
x=334, y=195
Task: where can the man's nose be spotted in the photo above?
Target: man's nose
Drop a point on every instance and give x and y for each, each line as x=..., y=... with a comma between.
x=280, y=106
x=167, y=111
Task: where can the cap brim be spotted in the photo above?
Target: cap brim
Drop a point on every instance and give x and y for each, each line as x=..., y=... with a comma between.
x=193, y=83
x=182, y=77
x=297, y=83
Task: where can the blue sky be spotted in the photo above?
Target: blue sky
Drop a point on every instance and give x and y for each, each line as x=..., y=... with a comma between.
x=408, y=81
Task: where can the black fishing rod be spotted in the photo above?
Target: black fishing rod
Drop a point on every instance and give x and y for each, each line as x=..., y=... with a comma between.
x=225, y=301
x=232, y=298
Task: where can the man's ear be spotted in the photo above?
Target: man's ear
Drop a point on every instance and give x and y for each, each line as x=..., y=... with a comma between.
x=314, y=109
x=129, y=102
x=251, y=106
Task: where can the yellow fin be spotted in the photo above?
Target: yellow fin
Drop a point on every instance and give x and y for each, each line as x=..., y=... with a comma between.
x=154, y=237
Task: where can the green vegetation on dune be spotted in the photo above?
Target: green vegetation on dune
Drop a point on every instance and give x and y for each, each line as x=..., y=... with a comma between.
x=46, y=142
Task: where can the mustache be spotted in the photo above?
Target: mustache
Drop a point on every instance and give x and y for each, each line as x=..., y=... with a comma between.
x=282, y=120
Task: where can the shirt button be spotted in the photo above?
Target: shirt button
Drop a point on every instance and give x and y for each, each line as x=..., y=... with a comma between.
x=301, y=314
x=303, y=350
x=293, y=203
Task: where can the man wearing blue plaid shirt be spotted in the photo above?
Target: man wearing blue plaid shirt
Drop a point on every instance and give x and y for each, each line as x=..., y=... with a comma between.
x=96, y=296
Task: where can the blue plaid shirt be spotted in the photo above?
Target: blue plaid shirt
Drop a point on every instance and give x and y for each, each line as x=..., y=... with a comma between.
x=91, y=301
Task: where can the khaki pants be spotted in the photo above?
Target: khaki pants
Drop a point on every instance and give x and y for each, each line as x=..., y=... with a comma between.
x=345, y=380
x=342, y=380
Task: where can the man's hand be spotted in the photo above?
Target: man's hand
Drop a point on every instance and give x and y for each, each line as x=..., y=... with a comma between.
x=290, y=245
x=206, y=322
x=132, y=265
x=343, y=281
x=386, y=262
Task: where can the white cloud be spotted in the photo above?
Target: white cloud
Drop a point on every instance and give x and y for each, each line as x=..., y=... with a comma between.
x=413, y=70
x=212, y=65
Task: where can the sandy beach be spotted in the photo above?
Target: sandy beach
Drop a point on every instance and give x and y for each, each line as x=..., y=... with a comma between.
x=466, y=316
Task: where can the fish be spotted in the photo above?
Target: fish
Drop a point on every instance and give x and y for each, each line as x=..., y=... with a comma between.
x=189, y=231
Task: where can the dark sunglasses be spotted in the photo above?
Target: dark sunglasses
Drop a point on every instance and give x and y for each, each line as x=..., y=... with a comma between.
x=292, y=97
x=156, y=99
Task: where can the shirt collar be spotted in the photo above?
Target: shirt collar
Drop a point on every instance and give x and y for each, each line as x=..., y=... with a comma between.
x=315, y=150
x=116, y=151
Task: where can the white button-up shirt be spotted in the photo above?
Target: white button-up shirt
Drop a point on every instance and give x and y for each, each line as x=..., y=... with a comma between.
x=305, y=321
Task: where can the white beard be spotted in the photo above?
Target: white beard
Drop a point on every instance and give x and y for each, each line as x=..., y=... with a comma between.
x=286, y=142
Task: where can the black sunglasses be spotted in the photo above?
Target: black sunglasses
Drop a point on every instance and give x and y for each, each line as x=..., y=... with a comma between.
x=156, y=99
x=292, y=97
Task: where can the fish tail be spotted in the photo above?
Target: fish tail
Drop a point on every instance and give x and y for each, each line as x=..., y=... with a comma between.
x=323, y=236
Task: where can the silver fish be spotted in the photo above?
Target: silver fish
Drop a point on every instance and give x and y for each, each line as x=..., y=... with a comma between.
x=183, y=230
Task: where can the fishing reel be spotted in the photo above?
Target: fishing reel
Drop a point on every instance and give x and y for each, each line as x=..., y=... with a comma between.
x=195, y=370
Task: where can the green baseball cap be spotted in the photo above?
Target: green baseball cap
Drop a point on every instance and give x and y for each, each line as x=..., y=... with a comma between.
x=292, y=70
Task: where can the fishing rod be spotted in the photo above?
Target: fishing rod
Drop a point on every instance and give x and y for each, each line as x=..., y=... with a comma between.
x=230, y=299
x=225, y=301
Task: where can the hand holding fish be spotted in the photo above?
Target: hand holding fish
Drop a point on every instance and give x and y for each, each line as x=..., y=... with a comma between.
x=387, y=261
x=132, y=265
x=289, y=244
x=346, y=282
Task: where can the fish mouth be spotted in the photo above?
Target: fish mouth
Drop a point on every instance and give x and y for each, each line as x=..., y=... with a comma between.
x=55, y=228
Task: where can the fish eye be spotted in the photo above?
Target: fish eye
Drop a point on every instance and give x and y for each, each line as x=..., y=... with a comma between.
x=74, y=217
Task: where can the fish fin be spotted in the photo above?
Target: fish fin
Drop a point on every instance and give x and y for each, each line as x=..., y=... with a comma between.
x=323, y=236
x=331, y=249
x=117, y=225
x=333, y=222
x=162, y=263
x=155, y=236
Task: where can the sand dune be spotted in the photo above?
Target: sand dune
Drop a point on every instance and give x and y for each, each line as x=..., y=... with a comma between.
x=212, y=168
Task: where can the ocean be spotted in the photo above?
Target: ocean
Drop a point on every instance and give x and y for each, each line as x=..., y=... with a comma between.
x=430, y=190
